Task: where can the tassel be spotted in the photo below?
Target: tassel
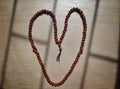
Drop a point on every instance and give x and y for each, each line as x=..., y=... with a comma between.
x=58, y=56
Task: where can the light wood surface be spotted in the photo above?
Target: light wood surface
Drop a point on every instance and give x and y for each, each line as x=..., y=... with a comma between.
x=97, y=67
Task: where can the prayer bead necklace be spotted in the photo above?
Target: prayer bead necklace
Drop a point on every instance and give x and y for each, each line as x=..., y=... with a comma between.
x=58, y=42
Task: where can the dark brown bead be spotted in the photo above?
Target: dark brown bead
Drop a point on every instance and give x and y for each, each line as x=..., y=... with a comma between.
x=47, y=77
x=40, y=62
x=64, y=31
x=83, y=39
x=81, y=52
x=64, y=79
x=82, y=42
x=49, y=81
x=82, y=45
x=56, y=40
x=55, y=31
x=61, y=38
x=72, y=10
x=55, y=84
x=30, y=38
x=60, y=41
x=74, y=63
x=78, y=56
x=68, y=74
x=78, y=53
x=62, y=82
x=44, y=72
x=34, y=51
x=85, y=24
x=71, y=70
x=42, y=65
x=67, y=17
x=72, y=67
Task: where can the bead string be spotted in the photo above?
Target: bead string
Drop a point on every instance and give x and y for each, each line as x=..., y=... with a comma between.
x=58, y=42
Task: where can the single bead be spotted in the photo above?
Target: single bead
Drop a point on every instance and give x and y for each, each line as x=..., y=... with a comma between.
x=30, y=37
x=54, y=19
x=83, y=42
x=81, y=52
x=34, y=51
x=72, y=66
x=49, y=81
x=71, y=10
x=81, y=48
x=60, y=83
x=84, y=32
x=64, y=31
x=78, y=53
x=56, y=40
x=61, y=38
x=85, y=24
x=40, y=62
x=52, y=83
x=63, y=34
x=43, y=69
x=33, y=46
x=77, y=59
x=68, y=74
x=81, y=12
x=66, y=22
x=42, y=65
x=30, y=25
x=55, y=32
x=47, y=77
x=76, y=10
x=67, y=17
x=55, y=84
x=30, y=32
x=78, y=56
x=74, y=63
x=37, y=53
x=31, y=22
x=52, y=15
x=55, y=23
x=83, y=39
x=85, y=29
x=64, y=79
x=71, y=70
x=60, y=41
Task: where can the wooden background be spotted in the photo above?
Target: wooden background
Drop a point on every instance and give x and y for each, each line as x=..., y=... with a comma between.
x=98, y=66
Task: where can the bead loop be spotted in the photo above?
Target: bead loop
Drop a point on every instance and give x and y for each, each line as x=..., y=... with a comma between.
x=58, y=41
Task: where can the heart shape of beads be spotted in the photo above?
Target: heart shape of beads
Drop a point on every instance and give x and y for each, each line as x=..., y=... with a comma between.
x=58, y=42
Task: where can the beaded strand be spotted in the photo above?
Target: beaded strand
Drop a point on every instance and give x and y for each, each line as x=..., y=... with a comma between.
x=58, y=42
